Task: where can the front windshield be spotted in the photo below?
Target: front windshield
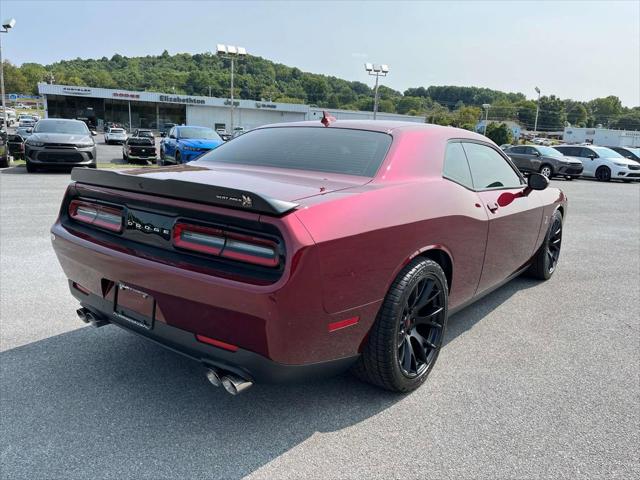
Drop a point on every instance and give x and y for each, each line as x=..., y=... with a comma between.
x=61, y=126
x=549, y=152
x=606, y=152
x=199, y=133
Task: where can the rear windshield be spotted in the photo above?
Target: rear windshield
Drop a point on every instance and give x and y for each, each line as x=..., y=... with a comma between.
x=116, y=130
x=332, y=150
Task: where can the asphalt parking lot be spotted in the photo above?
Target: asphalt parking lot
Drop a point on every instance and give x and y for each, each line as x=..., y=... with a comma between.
x=536, y=380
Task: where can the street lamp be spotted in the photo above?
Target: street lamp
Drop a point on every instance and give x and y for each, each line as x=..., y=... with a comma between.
x=6, y=26
x=486, y=107
x=231, y=52
x=535, y=127
x=376, y=71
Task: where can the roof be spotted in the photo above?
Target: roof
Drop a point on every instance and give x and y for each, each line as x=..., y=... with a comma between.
x=385, y=126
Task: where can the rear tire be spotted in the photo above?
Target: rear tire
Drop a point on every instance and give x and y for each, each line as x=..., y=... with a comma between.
x=406, y=338
x=603, y=174
x=546, y=259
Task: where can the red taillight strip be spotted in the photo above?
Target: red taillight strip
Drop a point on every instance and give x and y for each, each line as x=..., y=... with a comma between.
x=213, y=241
x=216, y=343
x=333, y=326
x=210, y=240
x=101, y=216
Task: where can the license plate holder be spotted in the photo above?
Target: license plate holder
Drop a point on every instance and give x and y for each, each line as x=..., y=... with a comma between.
x=134, y=306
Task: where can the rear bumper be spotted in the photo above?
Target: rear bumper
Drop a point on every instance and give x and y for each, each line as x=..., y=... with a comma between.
x=244, y=363
x=284, y=323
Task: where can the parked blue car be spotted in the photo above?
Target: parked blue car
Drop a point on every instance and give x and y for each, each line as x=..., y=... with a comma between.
x=184, y=144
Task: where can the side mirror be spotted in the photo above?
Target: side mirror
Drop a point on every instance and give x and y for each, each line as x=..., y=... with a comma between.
x=94, y=133
x=592, y=156
x=537, y=181
x=172, y=136
x=536, y=153
x=163, y=134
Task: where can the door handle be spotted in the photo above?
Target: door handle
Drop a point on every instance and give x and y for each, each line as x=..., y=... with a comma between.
x=492, y=207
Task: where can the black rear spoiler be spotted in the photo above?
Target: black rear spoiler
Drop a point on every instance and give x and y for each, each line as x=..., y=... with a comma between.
x=196, y=192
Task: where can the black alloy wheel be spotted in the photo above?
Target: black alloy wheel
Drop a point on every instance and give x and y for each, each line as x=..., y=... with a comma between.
x=404, y=342
x=603, y=174
x=554, y=243
x=545, y=261
x=420, y=330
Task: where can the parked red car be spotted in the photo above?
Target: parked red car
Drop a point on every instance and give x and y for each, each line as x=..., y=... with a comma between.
x=299, y=250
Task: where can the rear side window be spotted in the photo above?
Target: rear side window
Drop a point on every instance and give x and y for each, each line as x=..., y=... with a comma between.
x=456, y=167
x=331, y=150
x=489, y=169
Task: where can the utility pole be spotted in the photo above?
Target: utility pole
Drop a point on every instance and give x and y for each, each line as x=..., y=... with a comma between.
x=231, y=52
x=376, y=71
x=535, y=127
x=6, y=26
x=486, y=107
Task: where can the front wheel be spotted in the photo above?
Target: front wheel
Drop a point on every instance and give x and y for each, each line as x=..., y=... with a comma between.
x=406, y=338
x=603, y=174
x=178, y=161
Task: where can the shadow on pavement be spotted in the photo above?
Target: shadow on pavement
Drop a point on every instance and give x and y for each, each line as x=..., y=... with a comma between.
x=103, y=403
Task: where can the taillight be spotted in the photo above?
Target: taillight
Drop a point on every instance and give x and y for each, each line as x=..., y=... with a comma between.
x=213, y=241
x=97, y=215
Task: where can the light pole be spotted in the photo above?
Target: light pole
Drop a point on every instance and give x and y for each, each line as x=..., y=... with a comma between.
x=6, y=26
x=231, y=52
x=486, y=107
x=535, y=126
x=376, y=71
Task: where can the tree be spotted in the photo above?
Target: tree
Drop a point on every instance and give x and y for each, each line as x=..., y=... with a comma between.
x=316, y=88
x=499, y=133
x=631, y=121
x=606, y=110
x=467, y=117
x=14, y=80
x=405, y=104
x=552, y=115
x=526, y=113
x=577, y=114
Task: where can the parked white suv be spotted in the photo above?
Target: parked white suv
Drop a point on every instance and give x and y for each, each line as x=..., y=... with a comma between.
x=602, y=163
x=115, y=135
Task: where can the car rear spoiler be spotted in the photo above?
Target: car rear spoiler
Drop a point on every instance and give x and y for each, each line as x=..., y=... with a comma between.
x=196, y=192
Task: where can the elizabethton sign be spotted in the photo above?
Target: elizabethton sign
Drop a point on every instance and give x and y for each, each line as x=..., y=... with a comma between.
x=178, y=99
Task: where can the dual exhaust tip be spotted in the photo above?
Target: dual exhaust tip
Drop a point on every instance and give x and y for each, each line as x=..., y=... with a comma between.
x=87, y=316
x=231, y=383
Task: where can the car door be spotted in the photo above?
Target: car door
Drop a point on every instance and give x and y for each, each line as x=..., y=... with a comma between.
x=519, y=158
x=170, y=143
x=515, y=216
x=534, y=159
x=589, y=160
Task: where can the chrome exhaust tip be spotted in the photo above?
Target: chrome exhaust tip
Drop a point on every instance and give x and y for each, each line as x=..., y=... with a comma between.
x=82, y=314
x=93, y=320
x=213, y=377
x=235, y=385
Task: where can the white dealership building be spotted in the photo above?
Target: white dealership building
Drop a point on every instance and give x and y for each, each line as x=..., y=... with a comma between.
x=153, y=109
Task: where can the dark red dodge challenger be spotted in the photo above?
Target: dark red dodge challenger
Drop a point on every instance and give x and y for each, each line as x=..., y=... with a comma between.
x=305, y=249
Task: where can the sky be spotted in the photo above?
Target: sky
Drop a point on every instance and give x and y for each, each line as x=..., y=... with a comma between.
x=575, y=49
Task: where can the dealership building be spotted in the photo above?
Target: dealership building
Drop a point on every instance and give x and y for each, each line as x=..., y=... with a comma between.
x=154, y=110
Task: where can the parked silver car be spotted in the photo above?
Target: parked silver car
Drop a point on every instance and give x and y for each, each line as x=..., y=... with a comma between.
x=57, y=142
